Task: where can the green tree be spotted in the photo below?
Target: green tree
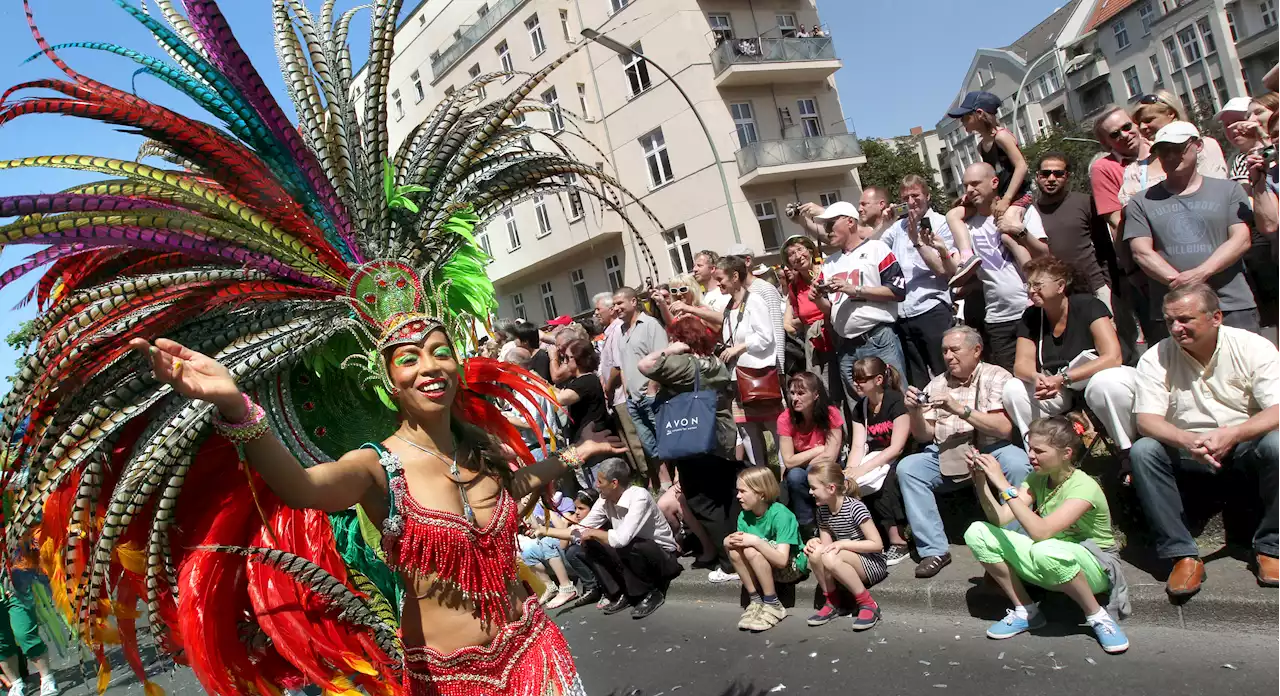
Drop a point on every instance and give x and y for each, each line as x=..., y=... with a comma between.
x=1076, y=141
x=19, y=339
x=888, y=163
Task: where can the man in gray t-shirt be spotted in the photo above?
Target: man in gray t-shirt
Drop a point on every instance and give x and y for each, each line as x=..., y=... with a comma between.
x=1192, y=229
x=641, y=335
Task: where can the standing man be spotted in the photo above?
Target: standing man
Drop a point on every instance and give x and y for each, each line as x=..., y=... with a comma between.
x=641, y=335
x=713, y=299
x=1120, y=136
x=1004, y=291
x=874, y=212
x=1192, y=229
x=1071, y=227
x=610, y=372
x=863, y=285
x=927, y=257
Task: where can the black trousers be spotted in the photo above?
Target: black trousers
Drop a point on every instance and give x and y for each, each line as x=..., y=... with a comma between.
x=886, y=503
x=921, y=338
x=635, y=569
x=709, y=484
x=1000, y=343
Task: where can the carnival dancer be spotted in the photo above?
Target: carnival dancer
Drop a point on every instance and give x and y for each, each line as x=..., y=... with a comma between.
x=246, y=399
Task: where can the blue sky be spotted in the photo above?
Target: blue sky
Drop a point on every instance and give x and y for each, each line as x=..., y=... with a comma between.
x=903, y=62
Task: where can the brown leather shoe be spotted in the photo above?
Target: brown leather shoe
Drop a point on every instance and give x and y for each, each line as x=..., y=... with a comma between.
x=1186, y=577
x=1267, y=569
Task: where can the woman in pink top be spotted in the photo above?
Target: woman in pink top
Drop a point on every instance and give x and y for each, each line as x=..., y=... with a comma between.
x=810, y=429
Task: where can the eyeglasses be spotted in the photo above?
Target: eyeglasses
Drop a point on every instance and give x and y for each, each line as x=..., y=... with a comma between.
x=1122, y=129
x=1053, y=173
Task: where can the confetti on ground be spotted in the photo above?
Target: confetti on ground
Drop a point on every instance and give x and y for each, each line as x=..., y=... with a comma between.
x=939, y=686
x=1051, y=654
x=1230, y=666
x=1090, y=660
x=882, y=641
x=1000, y=656
x=780, y=687
x=954, y=664
x=784, y=652
x=813, y=654
x=835, y=660
x=1007, y=667
x=957, y=637
x=668, y=649
x=926, y=663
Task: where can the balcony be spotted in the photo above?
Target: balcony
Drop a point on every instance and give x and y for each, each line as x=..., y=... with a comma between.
x=1085, y=69
x=472, y=34
x=1259, y=42
x=765, y=61
x=768, y=161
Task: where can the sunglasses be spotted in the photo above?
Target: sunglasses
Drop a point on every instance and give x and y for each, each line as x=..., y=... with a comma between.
x=1053, y=173
x=680, y=290
x=866, y=378
x=1122, y=129
x=1150, y=99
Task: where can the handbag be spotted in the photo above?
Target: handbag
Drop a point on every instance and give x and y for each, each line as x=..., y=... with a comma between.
x=686, y=425
x=758, y=385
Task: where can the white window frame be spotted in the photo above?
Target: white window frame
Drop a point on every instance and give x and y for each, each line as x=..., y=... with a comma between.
x=1206, y=36
x=482, y=10
x=544, y=218
x=657, y=162
x=826, y=200
x=613, y=272
x=721, y=28
x=417, y=86
x=1122, y=35
x=1268, y=10
x=548, y=300
x=810, y=122
x=517, y=306
x=1174, y=53
x=482, y=241
x=679, y=249
x=1231, y=25
x=399, y=104
x=564, y=26
x=582, y=102
x=537, y=41
x=513, y=229
x=581, y=297
x=552, y=99
x=576, y=209
x=616, y=6
x=504, y=58
x=1055, y=79
x=636, y=71
x=1132, y=82
x=765, y=211
x=744, y=123
x=473, y=72
x=422, y=19
x=1156, y=72
x=786, y=25
x=1191, y=51
x=1148, y=15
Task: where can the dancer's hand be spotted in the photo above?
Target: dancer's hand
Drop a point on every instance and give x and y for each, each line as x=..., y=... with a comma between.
x=194, y=375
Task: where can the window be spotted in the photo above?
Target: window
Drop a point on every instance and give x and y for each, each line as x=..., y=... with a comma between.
x=536, y=40
x=1268, y=10
x=613, y=271
x=482, y=241
x=548, y=300
x=991, y=73
x=826, y=200
x=721, y=27
x=1040, y=127
x=1231, y=26
x=482, y=10
x=448, y=91
x=1175, y=58
x=551, y=99
x=787, y=25
x=616, y=6
x=1055, y=80
x=744, y=122
x=636, y=70
x=1132, y=82
x=564, y=26
x=809, y=121
x=504, y=57
x=655, y=156
x=1155, y=69
x=513, y=233
x=575, y=197
x=1204, y=97
x=1220, y=86
x=435, y=56
x=679, y=249
x=1206, y=35
x=581, y=300
x=1190, y=45
x=422, y=19
x=1042, y=85
x=457, y=34
x=582, y=102
x=1148, y=15
x=1122, y=35
x=395, y=98
x=474, y=72
x=517, y=304
x=770, y=228
x=417, y=87
x=517, y=117
x=544, y=218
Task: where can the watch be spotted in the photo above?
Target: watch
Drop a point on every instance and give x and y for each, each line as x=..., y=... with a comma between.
x=1008, y=494
x=576, y=535
x=967, y=412
x=1020, y=234
x=1066, y=377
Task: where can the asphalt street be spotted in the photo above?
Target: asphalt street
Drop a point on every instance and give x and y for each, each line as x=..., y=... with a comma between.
x=694, y=649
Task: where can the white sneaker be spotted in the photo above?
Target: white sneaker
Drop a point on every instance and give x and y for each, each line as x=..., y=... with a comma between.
x=48, y=686
x=718, y=576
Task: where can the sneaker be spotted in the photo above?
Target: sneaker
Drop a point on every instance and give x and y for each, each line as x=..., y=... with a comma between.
x=19, y=688
x=965, y=271
x=717, y=576
x=749, y=616
x=1110, y=636
x=1011, y=625
x=896, y=554
x=48, y=686
x=768, y=616
x=867, y=617
x=567, y=594
x=825, y=615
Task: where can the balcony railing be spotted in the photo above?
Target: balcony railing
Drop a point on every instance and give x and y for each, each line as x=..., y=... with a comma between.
x=763, y=51
x=473, y=34
x=777, y=153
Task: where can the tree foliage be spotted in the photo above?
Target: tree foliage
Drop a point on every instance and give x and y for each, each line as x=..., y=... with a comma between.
x=888, y=163
x=19, y=339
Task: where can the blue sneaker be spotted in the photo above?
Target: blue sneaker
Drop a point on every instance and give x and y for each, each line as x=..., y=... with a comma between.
x=1110, y=636
x=1011, y=625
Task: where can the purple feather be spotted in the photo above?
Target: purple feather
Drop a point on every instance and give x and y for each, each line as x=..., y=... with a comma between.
x=39, y=259
x=73, y=202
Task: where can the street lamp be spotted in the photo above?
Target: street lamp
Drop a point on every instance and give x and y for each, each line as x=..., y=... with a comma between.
x=627, y=52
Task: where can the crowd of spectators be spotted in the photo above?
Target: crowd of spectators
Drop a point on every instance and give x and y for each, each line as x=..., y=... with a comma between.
x=882, y=366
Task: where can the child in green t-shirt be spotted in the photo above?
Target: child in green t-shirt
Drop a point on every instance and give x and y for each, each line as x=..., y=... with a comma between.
x=765, y=549
x=1061, y=508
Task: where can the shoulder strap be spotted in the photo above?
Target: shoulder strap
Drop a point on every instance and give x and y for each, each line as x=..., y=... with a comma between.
x=385, y=457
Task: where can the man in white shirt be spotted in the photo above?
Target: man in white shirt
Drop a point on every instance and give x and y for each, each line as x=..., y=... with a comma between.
x=636, y=558
x=922, y=244
x=862, y=286
x=1207, y=400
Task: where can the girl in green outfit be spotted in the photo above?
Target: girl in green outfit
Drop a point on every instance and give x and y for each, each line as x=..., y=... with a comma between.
x=1062, y=509
x=766, y=548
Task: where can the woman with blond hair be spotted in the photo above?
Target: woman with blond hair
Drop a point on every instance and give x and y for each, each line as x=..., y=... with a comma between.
x=682, y=291
x=1153, y=112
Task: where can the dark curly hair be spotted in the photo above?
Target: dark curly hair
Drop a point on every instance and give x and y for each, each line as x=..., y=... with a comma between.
x=1057, y=268
x=694, y=332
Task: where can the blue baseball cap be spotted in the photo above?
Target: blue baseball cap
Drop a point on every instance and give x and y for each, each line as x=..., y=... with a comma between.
x=973, y=101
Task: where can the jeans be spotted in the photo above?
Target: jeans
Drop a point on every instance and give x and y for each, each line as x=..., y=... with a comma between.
x=801, y=503
x=644, y=415
x=576, y=558
x=881, y=342
x=1155, y=466
x=921, y=338
x=919, y=477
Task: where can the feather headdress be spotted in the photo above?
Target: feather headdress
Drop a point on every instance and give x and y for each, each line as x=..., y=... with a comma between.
x=281, y=249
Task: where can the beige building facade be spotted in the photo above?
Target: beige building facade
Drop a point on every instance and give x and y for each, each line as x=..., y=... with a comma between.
x=765, y=91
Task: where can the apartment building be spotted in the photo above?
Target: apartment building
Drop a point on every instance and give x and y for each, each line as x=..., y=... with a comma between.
x=765, y=92
x=930, y=149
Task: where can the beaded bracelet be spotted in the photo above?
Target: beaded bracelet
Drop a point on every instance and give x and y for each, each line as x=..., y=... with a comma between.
x=253, y=426
x=570, y=456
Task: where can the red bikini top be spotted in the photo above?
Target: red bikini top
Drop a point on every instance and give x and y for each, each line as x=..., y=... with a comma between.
x=479, y=562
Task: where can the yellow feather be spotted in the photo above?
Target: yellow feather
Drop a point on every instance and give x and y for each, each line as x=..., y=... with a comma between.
x=152, y=689
x=360, y=665
x=104, y=677
x=132, y=558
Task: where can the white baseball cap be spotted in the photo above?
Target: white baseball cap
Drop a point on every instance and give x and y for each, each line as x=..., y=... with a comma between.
x=1177, y=133
x=740, y=250
x=1235, y=105
x=839, y=209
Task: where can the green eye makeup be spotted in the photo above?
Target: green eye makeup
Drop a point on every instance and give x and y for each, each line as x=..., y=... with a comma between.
x=406, y=359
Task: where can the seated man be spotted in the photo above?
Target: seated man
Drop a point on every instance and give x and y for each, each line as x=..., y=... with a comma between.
x=1206, y=400
x=636, y=558
x=958, y=410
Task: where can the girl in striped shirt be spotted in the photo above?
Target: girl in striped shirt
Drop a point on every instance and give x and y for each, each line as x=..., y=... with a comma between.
x=848, y=550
